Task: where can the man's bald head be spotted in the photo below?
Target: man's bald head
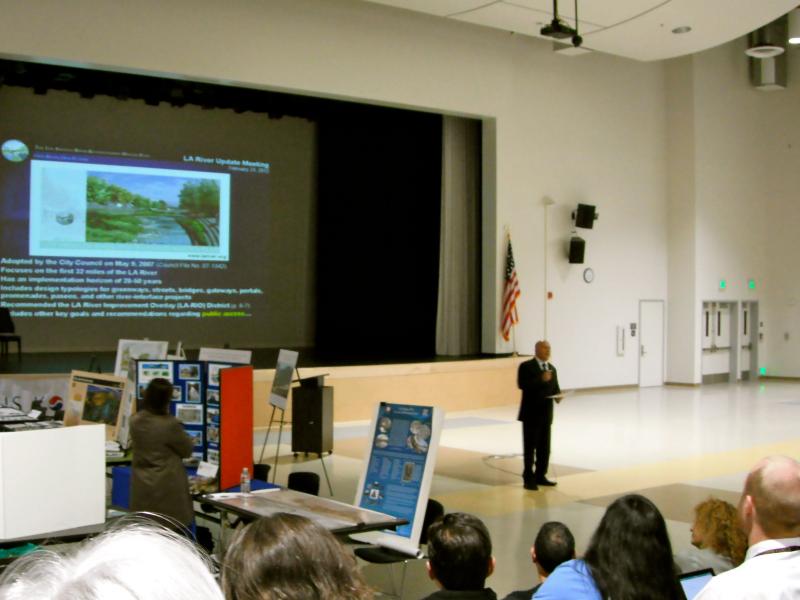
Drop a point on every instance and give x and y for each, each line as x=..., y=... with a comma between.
x=773, y=490
x=542, y=350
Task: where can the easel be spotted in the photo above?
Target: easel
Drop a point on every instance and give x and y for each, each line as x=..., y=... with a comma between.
x=280, y=434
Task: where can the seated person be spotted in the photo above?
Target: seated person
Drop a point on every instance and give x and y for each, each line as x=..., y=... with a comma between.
x=629, y=557
x=133, y=562
x=719, y=543
x=289, y=557
x=554, y=544
x=460, y=558
x=769, y=511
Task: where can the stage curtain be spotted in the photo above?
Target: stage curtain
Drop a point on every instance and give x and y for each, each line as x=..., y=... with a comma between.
x=458, y=311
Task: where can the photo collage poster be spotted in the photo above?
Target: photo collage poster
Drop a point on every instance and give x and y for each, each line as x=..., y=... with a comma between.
x=212, y=411
x=195, y=399
x=95, y=398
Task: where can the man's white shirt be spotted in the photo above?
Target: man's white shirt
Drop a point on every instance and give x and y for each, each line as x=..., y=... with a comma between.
x=771, y=576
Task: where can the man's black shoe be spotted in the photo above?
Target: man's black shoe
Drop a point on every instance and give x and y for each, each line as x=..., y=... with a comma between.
x=546, y=482
x=530, y=485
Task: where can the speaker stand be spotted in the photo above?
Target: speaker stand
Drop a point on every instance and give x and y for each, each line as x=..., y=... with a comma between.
x=325, y=470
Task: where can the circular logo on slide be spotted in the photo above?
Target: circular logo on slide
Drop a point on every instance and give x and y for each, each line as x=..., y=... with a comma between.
x=15, y=151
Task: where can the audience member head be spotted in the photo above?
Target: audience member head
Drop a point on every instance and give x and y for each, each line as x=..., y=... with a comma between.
x=459, y=552
x=770, y=504
x=716, y=526
x=289, y=557
x=554, y=545
x=630, y=555
x=133, y=562
x=157, y=396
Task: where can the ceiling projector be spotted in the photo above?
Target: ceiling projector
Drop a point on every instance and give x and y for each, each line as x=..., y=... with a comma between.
x=558, y=29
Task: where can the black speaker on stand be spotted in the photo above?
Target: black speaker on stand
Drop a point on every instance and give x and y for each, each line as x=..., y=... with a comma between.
x=312, y=419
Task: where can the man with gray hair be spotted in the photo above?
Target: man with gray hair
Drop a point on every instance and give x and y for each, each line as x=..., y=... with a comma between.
x=769, y=511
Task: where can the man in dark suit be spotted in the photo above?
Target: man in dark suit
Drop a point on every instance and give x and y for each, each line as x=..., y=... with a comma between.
x=538, y=380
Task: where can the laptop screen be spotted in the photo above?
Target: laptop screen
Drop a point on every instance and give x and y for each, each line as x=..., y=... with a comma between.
x=695, y=581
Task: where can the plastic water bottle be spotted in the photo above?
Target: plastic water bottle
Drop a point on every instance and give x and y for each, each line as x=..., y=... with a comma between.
x=245, y=481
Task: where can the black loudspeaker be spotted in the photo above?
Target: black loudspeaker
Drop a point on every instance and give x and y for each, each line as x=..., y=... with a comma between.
x=312, y=419
x=585, y=216
x=577, y=247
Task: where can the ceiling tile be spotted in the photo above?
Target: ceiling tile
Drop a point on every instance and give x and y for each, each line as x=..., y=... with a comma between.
x=503, y=15
x=601, y=12
x=638, y=29
x=440, y=8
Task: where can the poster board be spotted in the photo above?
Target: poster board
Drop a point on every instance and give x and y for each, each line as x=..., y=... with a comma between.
x=235, y=426
x=130, y=350
x=284, y=370
x=226, y=355
x=65, y=486
x=197, y=403
x=45, y=393
x=95, y=398
x=188, y=394
x=398, y=471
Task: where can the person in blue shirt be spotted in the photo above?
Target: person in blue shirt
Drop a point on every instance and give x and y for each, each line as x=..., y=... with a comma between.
x=629, y=558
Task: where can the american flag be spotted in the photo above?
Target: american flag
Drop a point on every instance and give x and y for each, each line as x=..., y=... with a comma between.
x=510, y=294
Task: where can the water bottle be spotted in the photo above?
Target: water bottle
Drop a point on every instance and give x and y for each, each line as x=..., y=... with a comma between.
x=245, y=481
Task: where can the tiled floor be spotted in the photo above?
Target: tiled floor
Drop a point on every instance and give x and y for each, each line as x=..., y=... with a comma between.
x=677, y=445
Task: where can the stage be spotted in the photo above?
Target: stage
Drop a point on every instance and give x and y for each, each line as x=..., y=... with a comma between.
x=359, y=382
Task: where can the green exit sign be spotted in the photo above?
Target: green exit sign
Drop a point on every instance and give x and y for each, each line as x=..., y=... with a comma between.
x=751, y=283
x=723, y=284
x=762, y=371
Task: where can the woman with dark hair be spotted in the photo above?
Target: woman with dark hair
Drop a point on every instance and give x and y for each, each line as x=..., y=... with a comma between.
x=629, y=558
x=717, y=539
x=158, y=478
x=289, y=557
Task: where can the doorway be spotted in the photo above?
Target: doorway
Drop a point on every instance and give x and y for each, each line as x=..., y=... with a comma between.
x=651, y=343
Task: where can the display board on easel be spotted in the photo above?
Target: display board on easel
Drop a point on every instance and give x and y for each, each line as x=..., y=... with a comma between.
x=398, y=471
x=284, y=370
x=278, y=399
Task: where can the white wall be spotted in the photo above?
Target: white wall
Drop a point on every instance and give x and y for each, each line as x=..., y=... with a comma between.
x=781, y=312
x=746, y=214
x=590, y=129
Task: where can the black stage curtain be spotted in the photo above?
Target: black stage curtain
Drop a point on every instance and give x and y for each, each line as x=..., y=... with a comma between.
x=378, y=233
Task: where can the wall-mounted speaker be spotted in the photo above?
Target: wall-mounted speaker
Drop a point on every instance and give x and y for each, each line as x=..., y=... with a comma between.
x=577, y=247
x=585, y=216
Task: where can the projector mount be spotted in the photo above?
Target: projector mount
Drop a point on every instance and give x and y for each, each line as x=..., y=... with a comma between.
x=559, y=30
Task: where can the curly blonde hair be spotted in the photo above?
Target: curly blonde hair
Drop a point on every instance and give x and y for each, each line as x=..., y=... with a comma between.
x=719, y=523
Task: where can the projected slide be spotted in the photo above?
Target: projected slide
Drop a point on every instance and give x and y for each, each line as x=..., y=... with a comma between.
x=105, y=211
x=120, y=219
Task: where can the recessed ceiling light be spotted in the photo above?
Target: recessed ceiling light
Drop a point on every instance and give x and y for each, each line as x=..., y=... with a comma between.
x=764, y=51
x=682, y=29
x=794, y=27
